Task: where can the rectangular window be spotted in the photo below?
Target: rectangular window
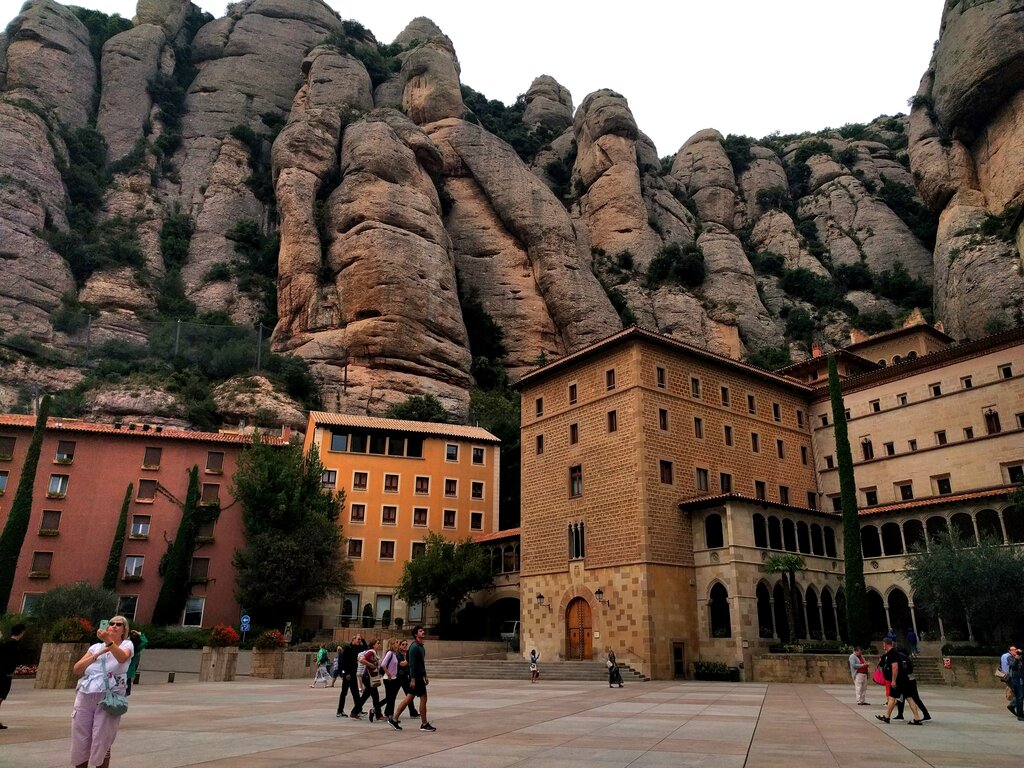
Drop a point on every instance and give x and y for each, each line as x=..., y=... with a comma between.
x=476, y=521
x=992, y=425
x=698, y=427
x=574, y=434
x=760, y=489
x=51, y=521
x=663, y=419
x=396, y=446
x=694, y=387
x=725, y=397
x=339, y=442
x=943, y=485
x=355, y=548
x=755, y=442
x=58, y=487
x=613, y=421
x=901, y=399
x=329, y=478
x=803, y=454
x=419, y=549
x=703, y=480
x=783, y=494
x=575, y=481
x=127, y=606
x=824, y=420
x=1006, y=371
x=140, y=526
x=360, y=480
x=725, y=482
x=193, y=614
x=572, y=394
x=357, y=513
x=1020, y=421
x=422, y=485
x=665, y=470
x=890, y=449
x=968, y=433
x=151, y=458
x=389, y=515
x=419, y=517
x=41, y=564
x=449, y=518
x=133, y=566
x=609, y=379
x=65, y=452
x=540, y=444
x=940, y=437
x=751, y=404
x=830, y=462
x=936, y=389
x=147, y=490
x=358, y=442
x=215, y=462
x=837, y=503
x=204, y=531
x=477, y=489
x=776, y=412
x=728, y=434
x=1014, y=472
x=199, y=572
x=870, y=497
x=799, y=418
x=6, y=447
x=868, y=448
x=966, y=382
x=780, y=449
x=451, y=487
x=660, y=377
x=812, y=500
x=538, y=406
x=390, y=483
x=912, y=445
x=478, y=455
x=211, y=493
x=876, y=406
x=378, y=444
x=451, y=452
x=905, y=491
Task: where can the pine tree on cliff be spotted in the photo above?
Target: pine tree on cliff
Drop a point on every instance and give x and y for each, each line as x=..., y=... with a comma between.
x=177, y=563
x=117, y=545
x=13, y=536
x=857, y=624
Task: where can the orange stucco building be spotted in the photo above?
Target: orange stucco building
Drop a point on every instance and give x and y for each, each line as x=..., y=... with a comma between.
x=402, y=479
x=83, y=472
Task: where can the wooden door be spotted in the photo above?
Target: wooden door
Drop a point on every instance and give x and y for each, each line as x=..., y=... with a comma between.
x=579, y=630
x=679, y=660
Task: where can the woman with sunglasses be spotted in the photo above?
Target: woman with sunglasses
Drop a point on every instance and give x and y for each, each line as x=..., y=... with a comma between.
x=92, y=729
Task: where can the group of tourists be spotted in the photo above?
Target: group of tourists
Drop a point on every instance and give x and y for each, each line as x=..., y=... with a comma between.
x=364, y=671
x=895, y=671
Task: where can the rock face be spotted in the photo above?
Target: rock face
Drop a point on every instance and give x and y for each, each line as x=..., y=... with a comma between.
x=400, y=216
x=966, y=147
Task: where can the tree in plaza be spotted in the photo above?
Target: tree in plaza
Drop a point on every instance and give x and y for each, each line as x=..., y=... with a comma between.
x=13, y=536
x=787, y=566
x=293, y=540
x=117, y=545
x=445, y=574
x=858, y=625
x=954, y=577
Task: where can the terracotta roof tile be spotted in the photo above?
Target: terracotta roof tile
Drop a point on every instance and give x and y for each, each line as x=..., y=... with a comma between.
x=938, y=501
x=456, y=431
x=698, y=502
x=151, y=431
x=508, y=533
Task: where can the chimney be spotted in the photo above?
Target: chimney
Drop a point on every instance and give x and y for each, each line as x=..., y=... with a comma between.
x=815, y=349
x=857, y=336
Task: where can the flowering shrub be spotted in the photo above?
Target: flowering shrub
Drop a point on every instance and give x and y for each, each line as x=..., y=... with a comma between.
x=77, y=630
x=222, y=635
x=270, y=640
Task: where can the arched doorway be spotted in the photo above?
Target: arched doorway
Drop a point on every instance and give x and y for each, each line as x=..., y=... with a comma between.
x=579, y=630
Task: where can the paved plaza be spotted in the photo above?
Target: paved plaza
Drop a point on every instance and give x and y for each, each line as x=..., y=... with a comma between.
x=262, y=723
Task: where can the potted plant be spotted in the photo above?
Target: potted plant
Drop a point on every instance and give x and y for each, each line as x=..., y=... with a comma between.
x=385, y=619
x=399, y=622
x=220, y=657
x=69, y=640
x=367, y=616
x=268, y=655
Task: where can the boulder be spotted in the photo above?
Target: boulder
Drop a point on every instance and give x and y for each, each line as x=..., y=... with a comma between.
x=254, y=400
x=764, y=173
x=432, y=90
x=704, y=169
x=169, y=15
x=548, y=104
x=776, y=233
x=130, y=62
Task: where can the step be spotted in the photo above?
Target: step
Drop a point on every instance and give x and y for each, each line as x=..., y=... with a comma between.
x=496, y=669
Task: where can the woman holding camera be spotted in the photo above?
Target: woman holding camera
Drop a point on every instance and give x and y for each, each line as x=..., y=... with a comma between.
x=105, y=663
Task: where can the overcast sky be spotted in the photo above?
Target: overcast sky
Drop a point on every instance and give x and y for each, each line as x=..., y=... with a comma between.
x=740, y=66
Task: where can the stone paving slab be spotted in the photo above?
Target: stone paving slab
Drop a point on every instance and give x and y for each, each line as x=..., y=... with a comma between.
x=253, y=723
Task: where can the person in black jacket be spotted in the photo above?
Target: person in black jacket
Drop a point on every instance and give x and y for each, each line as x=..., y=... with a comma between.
x=9, y=662
x=349, y=662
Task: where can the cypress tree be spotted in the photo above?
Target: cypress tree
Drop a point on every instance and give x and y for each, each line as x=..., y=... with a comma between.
x=174, y=591
x=117, y=545
x=857, y=624
x=13, y=536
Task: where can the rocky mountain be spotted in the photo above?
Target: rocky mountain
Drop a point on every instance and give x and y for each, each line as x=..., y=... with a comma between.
x=171, y=183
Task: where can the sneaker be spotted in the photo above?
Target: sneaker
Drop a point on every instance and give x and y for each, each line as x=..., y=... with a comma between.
x=428, y=727
x=355, y=716
x=394, y=724
x=340, y=714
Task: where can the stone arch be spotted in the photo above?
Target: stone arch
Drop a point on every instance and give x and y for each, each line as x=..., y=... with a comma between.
x=989, y=527
x=774, y=532
x=899, y=610
x=814, y=629
x=892, y=540
x=760, y=531
x=789, y=535
x=1013, y=520
x=803, y=538
x=869, y=542
x=963, y=524
x=913, y=535
x=830, y=541
x=719, y=619
x=936, y=526
x=781, y=624
x=841, y=613
x=828, y=615
x=876, y=614
x=765, y=620
x=817, y=542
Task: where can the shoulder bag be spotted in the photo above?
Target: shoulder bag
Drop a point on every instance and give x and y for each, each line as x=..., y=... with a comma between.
x=113, y=703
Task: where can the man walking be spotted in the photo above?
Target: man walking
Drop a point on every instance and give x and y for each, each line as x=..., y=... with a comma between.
x=859, y=673
x=9, y=661
x=1004, y=667
x=349, y=662
x=418, y=682
x=895, y=667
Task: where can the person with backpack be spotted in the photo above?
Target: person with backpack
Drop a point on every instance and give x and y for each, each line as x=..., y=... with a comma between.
x=895, y=667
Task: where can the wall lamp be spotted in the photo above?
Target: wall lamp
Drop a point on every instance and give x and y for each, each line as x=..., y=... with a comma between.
x=541, y=603
x=599, y=594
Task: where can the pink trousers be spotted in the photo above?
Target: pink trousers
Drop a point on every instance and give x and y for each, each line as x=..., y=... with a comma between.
x=92, y=730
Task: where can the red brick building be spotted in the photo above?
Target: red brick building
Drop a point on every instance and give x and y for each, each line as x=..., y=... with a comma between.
x=83, y=472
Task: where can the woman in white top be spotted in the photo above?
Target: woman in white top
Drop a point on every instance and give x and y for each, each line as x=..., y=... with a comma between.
x=92, y=729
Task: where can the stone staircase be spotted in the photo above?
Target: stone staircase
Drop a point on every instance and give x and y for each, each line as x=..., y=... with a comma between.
x=928, y=670
x=519, y=669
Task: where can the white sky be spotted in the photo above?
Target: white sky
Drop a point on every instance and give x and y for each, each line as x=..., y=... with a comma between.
x=740, y=66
